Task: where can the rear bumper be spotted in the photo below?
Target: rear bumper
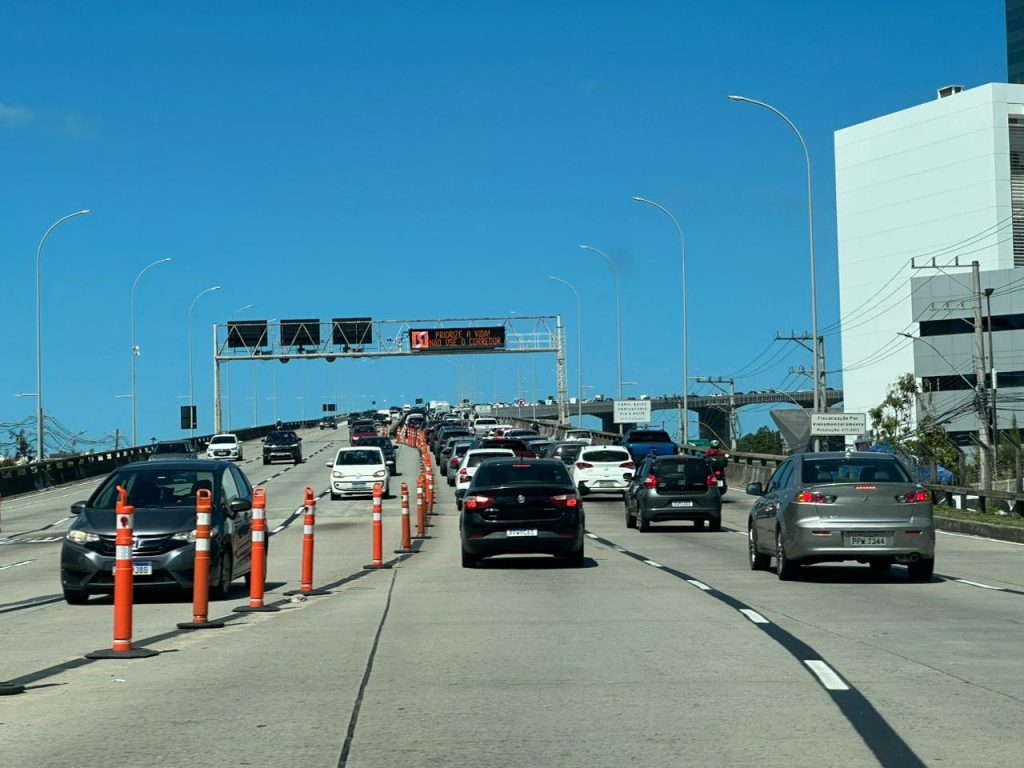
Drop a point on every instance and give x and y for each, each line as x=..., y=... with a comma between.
x=803, y=544
x=548, y=541
x=604, y=485
x=84, y=570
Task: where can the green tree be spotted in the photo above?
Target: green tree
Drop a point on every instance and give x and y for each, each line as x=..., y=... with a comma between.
x=22, y=447
x=893, y=424
x=765, y=440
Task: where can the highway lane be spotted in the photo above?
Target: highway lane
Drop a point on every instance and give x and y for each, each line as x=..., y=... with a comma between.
x=668, y=652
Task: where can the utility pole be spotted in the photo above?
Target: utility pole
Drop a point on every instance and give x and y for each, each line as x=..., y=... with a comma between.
x=716, y=381
x=817, y=375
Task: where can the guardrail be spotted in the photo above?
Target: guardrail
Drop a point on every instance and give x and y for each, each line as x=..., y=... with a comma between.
x=39, y=475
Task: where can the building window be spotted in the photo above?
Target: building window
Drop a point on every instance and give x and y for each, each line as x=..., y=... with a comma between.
x=1017, y=189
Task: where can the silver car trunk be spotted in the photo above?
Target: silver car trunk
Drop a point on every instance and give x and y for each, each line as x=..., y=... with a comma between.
x=867, y=503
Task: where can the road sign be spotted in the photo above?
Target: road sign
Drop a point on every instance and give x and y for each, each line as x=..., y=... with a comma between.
x=632, y=411
x=435, y=339
x=839, y=423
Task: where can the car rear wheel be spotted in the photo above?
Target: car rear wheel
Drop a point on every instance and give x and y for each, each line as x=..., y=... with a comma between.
x=75, y=597
x=785, y=568
x=921, y=570
x=630, y=520
x=642, y=524
x=265, y=461
x=758, y=561
x=715, y=524
x=575, y=560
x=468, y=560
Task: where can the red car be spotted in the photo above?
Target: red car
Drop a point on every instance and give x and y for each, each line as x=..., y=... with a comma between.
x=360, y=432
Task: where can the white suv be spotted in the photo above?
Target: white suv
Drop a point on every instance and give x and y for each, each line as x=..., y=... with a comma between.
x=356, y=470
x=602, y=469
x=467, y=468
x=226, y=447
x=483, y=425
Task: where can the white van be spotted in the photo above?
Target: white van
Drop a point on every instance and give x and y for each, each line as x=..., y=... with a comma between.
x=356, y=470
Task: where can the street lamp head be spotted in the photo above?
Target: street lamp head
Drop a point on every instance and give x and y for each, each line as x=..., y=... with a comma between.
x=736, y=98
x=638, y=199
x=84, y=212
x=215, y=288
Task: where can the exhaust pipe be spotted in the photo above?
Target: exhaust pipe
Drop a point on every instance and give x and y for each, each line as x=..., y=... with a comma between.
x=911, y=558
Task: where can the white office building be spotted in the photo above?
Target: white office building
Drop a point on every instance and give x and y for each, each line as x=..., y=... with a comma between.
x=930, y=184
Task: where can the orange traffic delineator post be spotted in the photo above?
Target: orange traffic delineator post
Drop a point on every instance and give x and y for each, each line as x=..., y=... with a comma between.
x=378, y=529
x=201, y=569
x=430, y=495
x=421, y=509
x=308, y=524
x=406, y=534
x=124, y=517
x=258, y=571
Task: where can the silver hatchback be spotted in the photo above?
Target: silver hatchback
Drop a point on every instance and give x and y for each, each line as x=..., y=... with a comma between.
x=820, y=507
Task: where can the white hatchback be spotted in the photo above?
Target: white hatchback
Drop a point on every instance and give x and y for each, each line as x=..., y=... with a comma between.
x=356, y=470
x=602, y=469
x=226, y=446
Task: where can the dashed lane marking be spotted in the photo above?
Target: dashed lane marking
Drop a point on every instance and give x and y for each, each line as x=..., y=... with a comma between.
x=699, y=585
x=982, y=586
x=828, y=676
x=15, y=565
x=754, y=616
x=656, y=565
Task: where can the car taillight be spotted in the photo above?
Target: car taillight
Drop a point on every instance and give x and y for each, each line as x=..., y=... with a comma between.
x=719, y=473
x=913, y=497
x=650, y=482
x=583, y=465
x=628, y=465
x=526, y=455
x=478, y=502
x=564, y=500
x=454, y=462
x=711, y=481
x=806, y=497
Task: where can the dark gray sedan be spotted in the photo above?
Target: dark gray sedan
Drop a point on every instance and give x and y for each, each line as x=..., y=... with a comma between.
x=820, y=507
x=673, y=488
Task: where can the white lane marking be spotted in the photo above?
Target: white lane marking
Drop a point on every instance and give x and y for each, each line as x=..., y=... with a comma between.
x=826, y=675
x=15, y=565
x=981, y=538
x=592, y=535
x=754, y=616
x=983, y=586
x=656, y=565
x=699, y=585
x=619, y=549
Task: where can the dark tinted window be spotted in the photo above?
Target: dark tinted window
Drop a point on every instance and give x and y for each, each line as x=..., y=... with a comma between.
x=358, y=457
x=170, y=448
x=478, y=458
x=691, y=471
x=649, y=436
x=154, y=487
x=282, y=437
x=605, y=455
x=853, y=470
x=567, y=452
x=533, y=473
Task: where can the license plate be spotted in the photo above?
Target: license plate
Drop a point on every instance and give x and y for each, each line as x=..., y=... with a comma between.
x=721, y=483
x=358, y=485
x=138, y=569
x=514, y=532
x=605, y=483
x=867, y=541
x=682, y=503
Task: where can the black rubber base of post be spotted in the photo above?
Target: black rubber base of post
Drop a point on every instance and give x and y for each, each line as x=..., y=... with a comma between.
x=420, y=538
x=405, y=551
x=375, y=567
x=201, y=625
x=310, y=593
x=250, y=609
x=134, y=653
x=10, y=689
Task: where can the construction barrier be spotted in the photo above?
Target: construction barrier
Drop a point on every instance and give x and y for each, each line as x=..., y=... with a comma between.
x=430, y=494
x=406, y=547
x=378, y=528
x=124, y=518
x=201, y=569
x=258, y=568
x=421, y=510
x=308, y=524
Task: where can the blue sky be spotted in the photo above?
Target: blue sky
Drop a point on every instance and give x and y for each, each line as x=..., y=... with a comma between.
x=433, y=159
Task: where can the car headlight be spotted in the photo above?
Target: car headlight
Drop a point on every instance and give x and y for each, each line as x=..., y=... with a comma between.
x=189, y=537
x=380, y=473
x=336, y=474
x=82, y=537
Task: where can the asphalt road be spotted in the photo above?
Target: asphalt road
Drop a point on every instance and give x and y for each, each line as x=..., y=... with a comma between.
x=665, y=650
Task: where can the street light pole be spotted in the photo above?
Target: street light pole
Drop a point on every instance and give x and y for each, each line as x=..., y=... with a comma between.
x=579, y=342
x=618, y=308
x=191, y=380
x=810, y=232
x=39, y=334
x=686, y=360
x=135, y=349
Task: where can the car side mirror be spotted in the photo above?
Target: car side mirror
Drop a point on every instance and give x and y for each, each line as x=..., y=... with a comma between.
x=300, y=439
x=329, y=464
x=239, y=505
x=78, y=507
x=755, y=489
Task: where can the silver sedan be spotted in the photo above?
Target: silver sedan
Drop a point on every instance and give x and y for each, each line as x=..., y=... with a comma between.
x=820, y=507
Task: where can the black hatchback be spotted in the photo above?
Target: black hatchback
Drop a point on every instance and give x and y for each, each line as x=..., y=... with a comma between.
x=163, y=550
x=522, y=506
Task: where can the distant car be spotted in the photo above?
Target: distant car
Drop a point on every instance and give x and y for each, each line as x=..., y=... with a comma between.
x=673, y=488
x=451, y=467
x=163, y=551
x=565, y=452
x=356, y=470
x=172, y=449
x=389, y=448
x=225, y=446
x=578, y=436
x=516, y=506
x=522, y=433
x=483, y=424
x=282, y=444
x=602, y=469
x=472, y=459
x=360, y=431
x=820, y=507
x=328, y=423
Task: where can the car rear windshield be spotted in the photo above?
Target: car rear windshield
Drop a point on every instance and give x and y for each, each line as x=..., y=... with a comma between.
x=156, y=487
x=486, y=422
x=533, y=473
x=605, y=455
x=567, y=451
x=690, y=470
x=853, y=470
x=220, y=439
x=651, y=436
x=460, y=449
x=170, y=448
x=358, y=457
x=477, y=458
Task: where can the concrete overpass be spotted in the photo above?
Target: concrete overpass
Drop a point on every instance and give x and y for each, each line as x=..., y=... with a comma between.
x=713, y=411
